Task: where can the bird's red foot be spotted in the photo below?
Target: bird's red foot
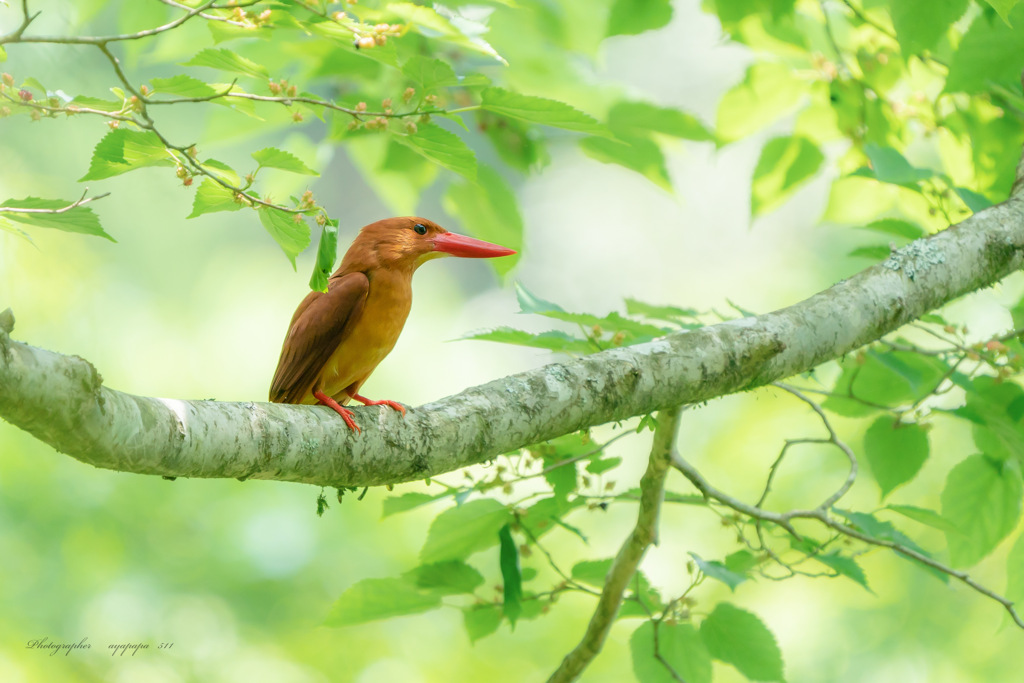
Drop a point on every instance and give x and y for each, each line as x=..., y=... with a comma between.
x=369, y=402
x=345, y=413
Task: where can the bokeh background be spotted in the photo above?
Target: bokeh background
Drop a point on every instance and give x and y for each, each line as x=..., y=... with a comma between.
x=239, y=576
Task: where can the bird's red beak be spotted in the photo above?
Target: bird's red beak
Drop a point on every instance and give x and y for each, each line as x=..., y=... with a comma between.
x=468, y=247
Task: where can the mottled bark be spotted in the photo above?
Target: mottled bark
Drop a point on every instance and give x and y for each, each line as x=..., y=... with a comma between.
x=310, y=444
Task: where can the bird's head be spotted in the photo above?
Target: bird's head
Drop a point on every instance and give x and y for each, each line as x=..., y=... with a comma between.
x=405, y=243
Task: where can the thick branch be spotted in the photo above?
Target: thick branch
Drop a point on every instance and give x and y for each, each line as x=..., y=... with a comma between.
x=624, y=567
x=61, y=399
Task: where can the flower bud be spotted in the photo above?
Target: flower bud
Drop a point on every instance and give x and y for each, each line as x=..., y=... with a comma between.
x=25, y=95
x=8, y=79
x=409, y=94
x=365, y=43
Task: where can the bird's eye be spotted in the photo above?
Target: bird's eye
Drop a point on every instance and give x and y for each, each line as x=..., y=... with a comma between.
x=420, y=229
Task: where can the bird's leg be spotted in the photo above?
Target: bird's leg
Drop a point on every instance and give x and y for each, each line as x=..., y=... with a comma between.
x=345, y=413
x=370, y=402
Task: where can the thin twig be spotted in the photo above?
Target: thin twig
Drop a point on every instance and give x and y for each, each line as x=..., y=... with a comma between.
x=628, y=560
x=82, y=201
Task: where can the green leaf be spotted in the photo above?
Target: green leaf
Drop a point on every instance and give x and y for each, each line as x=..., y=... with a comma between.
x=488, y=210
x=889, y=166
x=719, y=572
x=672, y=314
x=452, y=577
x=372, y=599
x=679, y=645
x=638, y=119
x=988, y=55
x=124, y=150
x=183, y=86
x=603, y=465
x=897, y=227
x=895, y=451
x=422, y=17
x=613, y=322
x=442, y=147
x=289, y=230
x=552, y=341
x=463, y=530
x=785, y=164
x=593, y=572
x=974, y=201
x=877, y=252
x=998, y=432
x=80, y=219
x=924, y=516
x=481, y=620
x=844, y=566
x=429, y=73
x=539, y=110
x=768, y=92
x=212, y=196
x=741, y=562
x=270, y=157
x=885, y=531
x=630, y=17
x=226, y=60
x=738, y=637
x=920, y=23
x=1004, y=8
x=982, y=498
x=883, y=379
x=407, y=501
x=636, y=154
x=510, y=575
x=326, y=253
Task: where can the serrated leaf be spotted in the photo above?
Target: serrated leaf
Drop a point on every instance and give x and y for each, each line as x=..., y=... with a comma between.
x=630, y=17
x=681, y=648
x=768, y=92
x=481, y=620
x=289, y=230
x=784, y=165
x=924, y=516
x=593, y=572
x=271, y=157
x=975, y=202
x=672, y=314
x=372, y=599
x=633, y=330
x=989, y=54
x=452, y=577
x=637, y=119
x=488, y=210
x=211, y=196
x=124, y=150
x=552, y=340
x=463, y=530
x=1003, y=8
x=430, y=19
x=429, y=73
x=982, y=497
x=222, y=171
x=844, y=566
x=996, y=431
x=80, y=219
x=539, y=110
x=326, y=253
x=897, y=227
x=226, y=60
x=444, y=148
x=636, y=154
x=719, y=572
x=183, y=86
x=740, y=638
x=889, y=166
x=895, y=451
x=407, y=501
x=920, y=23
x=511, y=576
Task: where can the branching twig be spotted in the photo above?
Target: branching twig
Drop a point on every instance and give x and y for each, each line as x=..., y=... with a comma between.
x=626, y=562
x=83, y=200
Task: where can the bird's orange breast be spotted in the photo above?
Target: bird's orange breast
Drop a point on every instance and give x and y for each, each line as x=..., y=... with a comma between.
x=372, y=337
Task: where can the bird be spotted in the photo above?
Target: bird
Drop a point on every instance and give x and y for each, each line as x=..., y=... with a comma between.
x=338, y=337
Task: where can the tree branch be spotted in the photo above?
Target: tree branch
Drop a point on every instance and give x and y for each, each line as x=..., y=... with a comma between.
x=62, y=401
x=624, y=567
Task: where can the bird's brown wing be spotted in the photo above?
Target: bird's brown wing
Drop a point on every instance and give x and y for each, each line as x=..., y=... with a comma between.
x=318, y=327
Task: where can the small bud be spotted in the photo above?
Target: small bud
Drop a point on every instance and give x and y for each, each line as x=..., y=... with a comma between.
x=264, y=15
x=365, y=43
x=25, y=95
x=321, y=220
x=949, y=329
x=596, y=331
x=338, y=16
x=192, y=151
x=410, y=127
x=54, y=102
x=425, y=118
x=381, y=27
x=187, y=181
x=361, y=106
x=430, y=99
x=292, y=91
x=619, y=337
x=297, y=117
x=180, y=171
x=386, y=103
x=997, y=346
x=275, y=87
x=8, y=79
x=353, y=124
x=380, y=40
x=144, y=89
x=296, y=218
x=36, y=115
x=409, y=94
x=5, y=112
x=113, y=124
